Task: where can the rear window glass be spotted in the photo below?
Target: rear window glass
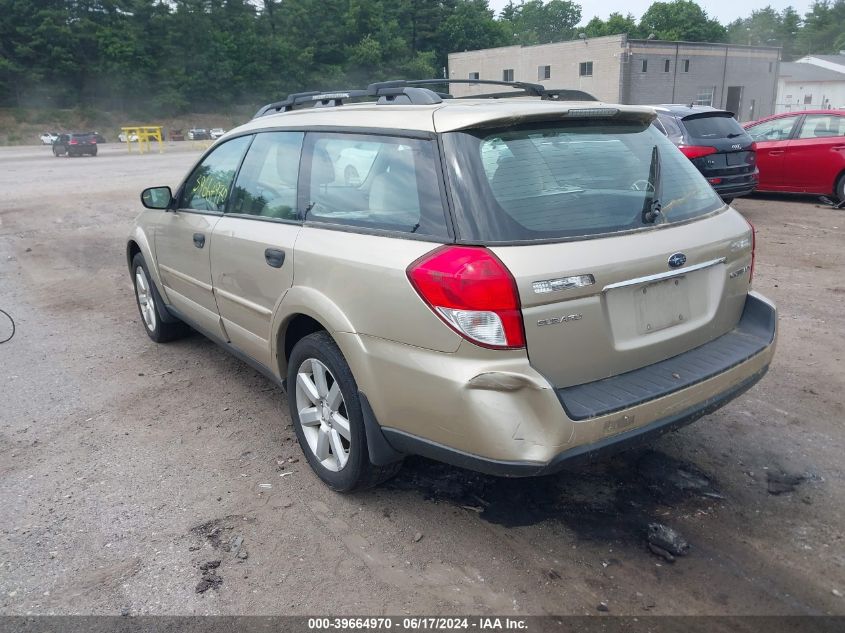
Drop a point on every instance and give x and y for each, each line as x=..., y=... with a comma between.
x=568, y=180
x=713, y=127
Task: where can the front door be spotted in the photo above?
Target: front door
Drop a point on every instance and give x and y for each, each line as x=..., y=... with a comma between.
x=772, y=137
x=182, y=236
x=252, y=246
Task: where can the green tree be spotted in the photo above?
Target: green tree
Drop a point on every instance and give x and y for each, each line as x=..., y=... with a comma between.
x=681, y=20
x=616, y=24
x=533, y=22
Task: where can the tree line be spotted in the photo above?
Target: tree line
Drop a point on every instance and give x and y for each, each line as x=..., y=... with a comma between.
x=165, y=57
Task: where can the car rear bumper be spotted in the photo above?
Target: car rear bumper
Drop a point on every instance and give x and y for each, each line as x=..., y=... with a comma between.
x=498, y=415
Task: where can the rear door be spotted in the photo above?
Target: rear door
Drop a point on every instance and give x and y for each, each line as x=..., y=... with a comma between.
x=182, y=236
x=603, y=292
x=771, y=137
x=815, y=157
x=252, y=246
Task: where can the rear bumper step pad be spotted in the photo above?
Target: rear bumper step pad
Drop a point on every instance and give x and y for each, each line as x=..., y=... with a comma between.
x=754, y=333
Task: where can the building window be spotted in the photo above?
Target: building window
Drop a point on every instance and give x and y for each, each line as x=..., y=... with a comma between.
x=645, y=65
x=544, y=72
x=586, y=69
x=686, y=65
x=507, y=74
x=704, y=97
x=771, y=65
x=473, y=75
x=808, y=99
x=666, y=66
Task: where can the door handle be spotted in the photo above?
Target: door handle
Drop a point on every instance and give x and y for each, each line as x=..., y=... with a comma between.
x=199, y=240
x=838, y=148
x=775, y=152
x=274, y=257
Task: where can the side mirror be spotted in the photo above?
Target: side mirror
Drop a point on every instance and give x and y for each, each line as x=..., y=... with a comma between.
x=157, y=197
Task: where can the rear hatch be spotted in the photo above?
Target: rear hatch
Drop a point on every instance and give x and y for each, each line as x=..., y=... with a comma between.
x=718, y=145
x=603, y=290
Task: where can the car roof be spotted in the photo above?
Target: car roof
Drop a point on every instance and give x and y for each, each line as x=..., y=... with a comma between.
x=448, y=115
x=783, y=115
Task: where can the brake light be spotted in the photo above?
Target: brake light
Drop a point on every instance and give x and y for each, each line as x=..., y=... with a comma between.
x=714, y=181
x=72, y=142
x=696, y=151
x=473, y=292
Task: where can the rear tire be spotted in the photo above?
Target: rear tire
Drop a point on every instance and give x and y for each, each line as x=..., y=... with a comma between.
x=157, y=322
x=839, y=191
x=326, y=412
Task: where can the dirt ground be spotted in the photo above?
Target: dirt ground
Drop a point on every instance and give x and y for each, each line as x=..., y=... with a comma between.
x=124, y=464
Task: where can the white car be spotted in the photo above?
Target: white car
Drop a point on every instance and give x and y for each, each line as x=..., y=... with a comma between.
x=217, y=132
x=49, y=137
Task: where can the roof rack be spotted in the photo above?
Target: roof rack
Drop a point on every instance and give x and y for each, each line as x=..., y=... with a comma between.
x=414, y=92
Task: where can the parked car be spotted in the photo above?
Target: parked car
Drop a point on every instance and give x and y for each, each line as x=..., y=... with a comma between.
x=801, y=152
x=98, y=137
x=582, y=286
x=198, y=134
x=216, y=132
x=76, y=144
x=715, y=143
x=177, y=135
x=47, y=138
x=132, y=137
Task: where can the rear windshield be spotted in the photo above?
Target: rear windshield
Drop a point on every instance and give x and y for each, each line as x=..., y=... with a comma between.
x=715, y=126
x=567, y=180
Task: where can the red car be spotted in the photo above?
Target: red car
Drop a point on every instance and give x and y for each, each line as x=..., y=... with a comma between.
x=801, y=152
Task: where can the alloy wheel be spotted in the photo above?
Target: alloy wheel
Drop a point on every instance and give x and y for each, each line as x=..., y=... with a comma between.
x=322, y=414
x=145, y=299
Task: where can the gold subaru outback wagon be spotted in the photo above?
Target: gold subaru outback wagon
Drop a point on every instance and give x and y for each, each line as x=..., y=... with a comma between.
x=500, y=284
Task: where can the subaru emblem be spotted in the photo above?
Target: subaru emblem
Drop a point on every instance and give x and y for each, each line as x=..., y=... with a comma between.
x=677, y=260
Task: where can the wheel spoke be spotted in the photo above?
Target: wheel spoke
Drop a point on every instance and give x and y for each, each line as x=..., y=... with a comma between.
x=308, y=387
x=334, y=397
x=342, y=425
x=337, y=448
x=322, y=448
x=318, y=371
x=309, y=416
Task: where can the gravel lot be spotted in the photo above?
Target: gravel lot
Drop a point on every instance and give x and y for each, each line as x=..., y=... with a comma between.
x=124, y=465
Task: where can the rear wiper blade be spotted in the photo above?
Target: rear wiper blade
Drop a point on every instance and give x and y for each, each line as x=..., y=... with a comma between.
x=652, y=205
x=735, y=134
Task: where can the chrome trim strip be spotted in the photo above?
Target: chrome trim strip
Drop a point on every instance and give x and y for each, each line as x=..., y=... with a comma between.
x=184, y=277
x=667, y=275
x=265, y=312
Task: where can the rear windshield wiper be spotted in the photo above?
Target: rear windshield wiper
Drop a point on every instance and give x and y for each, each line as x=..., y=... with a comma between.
x=735, y=134
x=652, y=205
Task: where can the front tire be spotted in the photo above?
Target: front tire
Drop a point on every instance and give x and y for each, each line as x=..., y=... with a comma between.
x=157, y=323
x=326, y=412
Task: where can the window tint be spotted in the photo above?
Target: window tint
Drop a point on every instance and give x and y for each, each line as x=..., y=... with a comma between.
x=822, y=126
x=266, y=184
x=374, y=182
x=208, y=187
x=555, y=181
x=709, y=127
x=774, y=130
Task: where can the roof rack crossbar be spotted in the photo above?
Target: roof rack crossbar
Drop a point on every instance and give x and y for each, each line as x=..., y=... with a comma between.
x=535, y=90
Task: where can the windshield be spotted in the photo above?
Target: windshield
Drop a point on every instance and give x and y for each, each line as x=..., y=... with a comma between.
x=564, y=180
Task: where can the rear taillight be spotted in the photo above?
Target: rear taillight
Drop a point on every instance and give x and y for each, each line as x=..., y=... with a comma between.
x=696, y=151
x=472, y=291
x=72, y=142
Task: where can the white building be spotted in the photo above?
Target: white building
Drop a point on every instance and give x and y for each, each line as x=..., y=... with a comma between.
x=814, y=82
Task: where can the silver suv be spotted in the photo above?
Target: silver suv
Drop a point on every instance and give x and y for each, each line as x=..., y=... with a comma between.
x=500, y=284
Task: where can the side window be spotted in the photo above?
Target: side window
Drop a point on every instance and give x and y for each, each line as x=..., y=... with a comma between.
x=774, y=130
x=208, y=187
x=266, y=183
x=822, y=126
x=377, y=182
x=673, y=130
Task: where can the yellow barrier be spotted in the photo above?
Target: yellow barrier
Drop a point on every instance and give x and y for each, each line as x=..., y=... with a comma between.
x=143, y=135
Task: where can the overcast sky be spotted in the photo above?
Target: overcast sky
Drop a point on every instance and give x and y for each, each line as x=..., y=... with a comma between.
x=723, y=10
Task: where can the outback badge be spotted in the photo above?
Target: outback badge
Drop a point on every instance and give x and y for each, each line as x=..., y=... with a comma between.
x=677, y=260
